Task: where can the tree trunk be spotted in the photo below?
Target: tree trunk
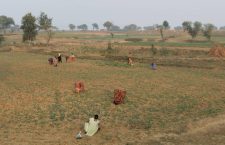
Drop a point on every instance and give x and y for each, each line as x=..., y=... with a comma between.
x=161, y=32
x=49, y=33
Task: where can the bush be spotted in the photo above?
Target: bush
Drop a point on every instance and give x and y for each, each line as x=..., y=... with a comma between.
x=134, y=39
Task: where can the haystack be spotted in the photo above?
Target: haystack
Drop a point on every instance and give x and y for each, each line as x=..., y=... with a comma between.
x=217, y=51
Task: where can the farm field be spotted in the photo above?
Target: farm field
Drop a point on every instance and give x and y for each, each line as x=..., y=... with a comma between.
x=180, y=103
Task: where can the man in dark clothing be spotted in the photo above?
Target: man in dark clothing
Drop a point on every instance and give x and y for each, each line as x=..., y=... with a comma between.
x=60, y=58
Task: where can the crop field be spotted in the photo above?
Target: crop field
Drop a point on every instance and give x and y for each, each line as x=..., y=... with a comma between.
x=180, y=103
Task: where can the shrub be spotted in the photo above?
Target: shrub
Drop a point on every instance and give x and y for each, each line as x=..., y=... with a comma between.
x=218, y=50
x=134, y=39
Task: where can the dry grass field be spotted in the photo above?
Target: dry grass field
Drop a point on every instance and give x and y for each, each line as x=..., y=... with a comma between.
x=180, y=103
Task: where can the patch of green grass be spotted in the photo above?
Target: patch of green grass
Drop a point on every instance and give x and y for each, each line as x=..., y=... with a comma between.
x=171, y=44
x=57, y=110
x=185, y=104
x=210, y=112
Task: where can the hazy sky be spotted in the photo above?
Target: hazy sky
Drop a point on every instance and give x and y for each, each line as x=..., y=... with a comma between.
x=120, y=12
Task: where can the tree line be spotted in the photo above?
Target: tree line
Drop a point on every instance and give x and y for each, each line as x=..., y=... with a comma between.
x=31, y=25
x=193, y=28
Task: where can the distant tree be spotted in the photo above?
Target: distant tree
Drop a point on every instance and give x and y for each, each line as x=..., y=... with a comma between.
x=186, y=25
x=108, y=25
x=178, y=28
x=166, y=25
x=83, y=27
x=15, y=28
x=192, y=28
x=161, y=28
x=149, y=28
x=115, y=28
x=29, y=27
x=1, y=39
x=55, y=28
x=215, y=27
x=72, y=26
x=45, y=23
x=6, y=22
x=139, y=28
x=131, y=27
x=222, y=28
x=95, y=26
x=207, y=30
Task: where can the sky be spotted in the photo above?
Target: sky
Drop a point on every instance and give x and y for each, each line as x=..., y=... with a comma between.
x=120, y=12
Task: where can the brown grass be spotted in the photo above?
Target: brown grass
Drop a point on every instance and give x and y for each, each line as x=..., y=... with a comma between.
x=173, y=105
x=217, y=51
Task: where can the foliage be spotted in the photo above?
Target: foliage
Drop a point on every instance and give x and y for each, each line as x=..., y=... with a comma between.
x=149, y=28
x=186, y=25
x=192, y=28
x=6, y=22
x=207, y=30
x=131, y=27
x=95, y=26
x=177, y=28
x=83, y=27
x=108, y=25
x=45, y=23
x=166, y=25
x=72, y=26
x=222, y=28
x=115, y=28
x=29, y=27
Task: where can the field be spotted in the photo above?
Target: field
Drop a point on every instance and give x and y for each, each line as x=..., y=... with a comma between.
x=180, y=103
